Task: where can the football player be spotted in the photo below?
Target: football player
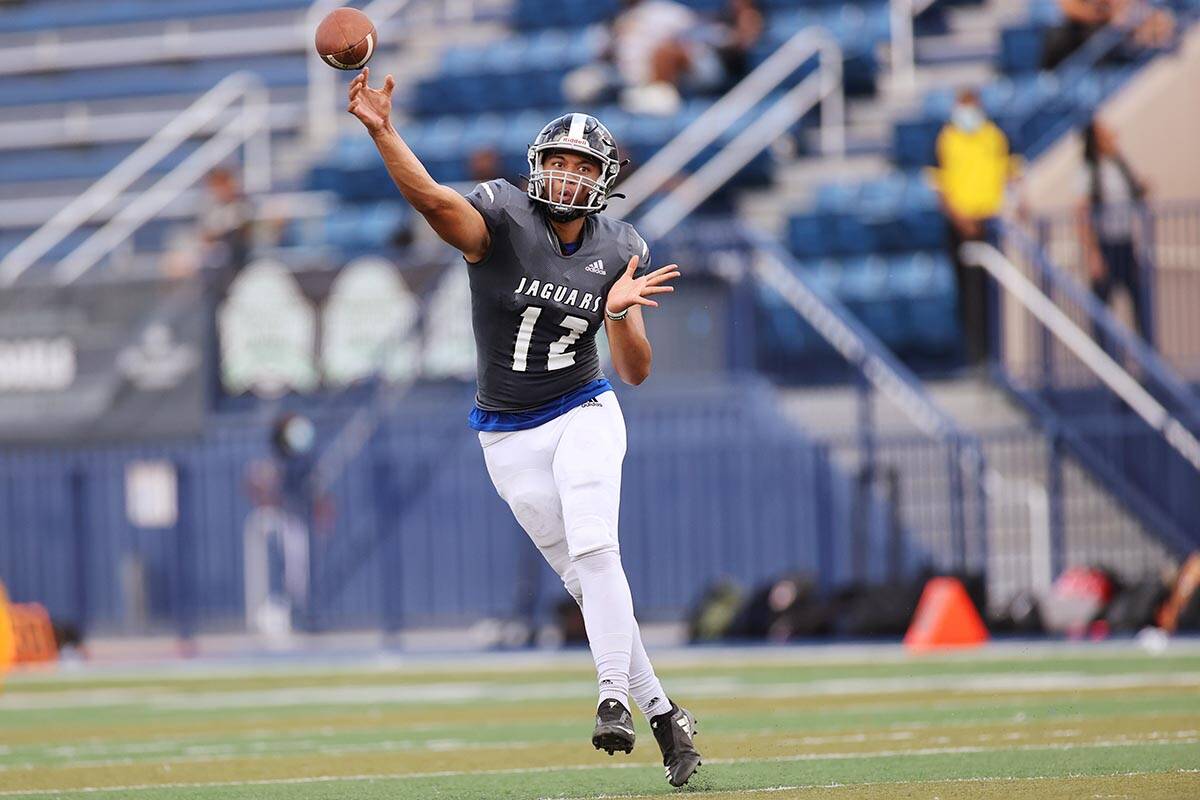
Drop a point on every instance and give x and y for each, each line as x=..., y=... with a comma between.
x=546, y=270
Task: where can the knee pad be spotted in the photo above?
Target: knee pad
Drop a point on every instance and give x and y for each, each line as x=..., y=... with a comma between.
x=589, y=502
x=590, y=536
x=536, y=509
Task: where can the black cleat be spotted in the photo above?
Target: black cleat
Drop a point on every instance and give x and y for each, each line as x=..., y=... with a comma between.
x=674, y=730
x=614, y=728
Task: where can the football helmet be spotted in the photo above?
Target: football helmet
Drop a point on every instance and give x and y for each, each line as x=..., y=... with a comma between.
x=578, y=133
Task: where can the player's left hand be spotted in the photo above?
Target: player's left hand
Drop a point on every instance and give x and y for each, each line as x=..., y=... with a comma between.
x=629, y=291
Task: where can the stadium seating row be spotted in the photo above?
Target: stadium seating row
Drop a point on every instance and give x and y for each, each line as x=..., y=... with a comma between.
x=526, y=70
x=181, y=78
x=908, y=301
x=1026, y=108
x=892, y=214
x=58, y=14
x=353, y=170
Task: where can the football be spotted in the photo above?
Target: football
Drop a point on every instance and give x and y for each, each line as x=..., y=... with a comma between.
x=346, y=39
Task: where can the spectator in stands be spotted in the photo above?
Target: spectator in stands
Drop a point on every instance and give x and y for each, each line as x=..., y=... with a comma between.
x=1109, y=208
x=973, y=170
x=657, y=49
x=743, y=27
x=486, y=164
x=1082, y=18
x=226, y=221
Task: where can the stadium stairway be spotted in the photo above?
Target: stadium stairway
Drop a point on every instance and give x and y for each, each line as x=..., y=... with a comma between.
x=870, y=221
x=1097, y=529
x=861, y=224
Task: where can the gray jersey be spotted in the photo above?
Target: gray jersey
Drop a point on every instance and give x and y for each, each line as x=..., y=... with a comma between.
x=535, y=312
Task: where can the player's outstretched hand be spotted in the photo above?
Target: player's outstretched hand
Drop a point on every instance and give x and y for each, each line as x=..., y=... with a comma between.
x=630, y=291
x=373, y=107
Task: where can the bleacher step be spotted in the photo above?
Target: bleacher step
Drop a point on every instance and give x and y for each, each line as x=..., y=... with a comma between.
x=955, y=49
x=796, y=182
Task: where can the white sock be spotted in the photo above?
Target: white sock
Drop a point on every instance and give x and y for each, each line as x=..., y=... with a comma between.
x=647, y=692
x=608, y=617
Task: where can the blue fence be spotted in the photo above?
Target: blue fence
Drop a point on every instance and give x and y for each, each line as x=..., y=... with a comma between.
x=716, y=485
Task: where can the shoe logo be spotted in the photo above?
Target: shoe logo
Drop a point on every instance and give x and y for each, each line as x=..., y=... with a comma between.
x=612, y=703
x=596, y=267
x=683, y=723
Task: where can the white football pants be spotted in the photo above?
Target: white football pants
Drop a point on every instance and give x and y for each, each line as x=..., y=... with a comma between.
x=562, y=481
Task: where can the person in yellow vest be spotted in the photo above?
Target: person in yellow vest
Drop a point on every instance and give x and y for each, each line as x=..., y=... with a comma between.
x=974, y=167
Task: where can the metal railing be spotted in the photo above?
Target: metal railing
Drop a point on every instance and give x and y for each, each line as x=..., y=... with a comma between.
x=1127, y=439
x=902, y=16
x=718, y=118
x=1165, y=239
x=1082, y=66
x=1115, y=339
x=966, y=465
x=1102, y=365
x=247, y=128
x=772, y=124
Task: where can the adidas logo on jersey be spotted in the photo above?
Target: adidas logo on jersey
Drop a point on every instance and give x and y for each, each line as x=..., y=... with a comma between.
x=593, y=403
x=596, y=267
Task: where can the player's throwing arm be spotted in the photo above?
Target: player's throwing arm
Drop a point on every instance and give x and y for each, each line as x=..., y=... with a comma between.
x=448, y=212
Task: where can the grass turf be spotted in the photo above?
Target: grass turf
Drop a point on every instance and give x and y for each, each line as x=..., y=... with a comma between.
x=1045, y=723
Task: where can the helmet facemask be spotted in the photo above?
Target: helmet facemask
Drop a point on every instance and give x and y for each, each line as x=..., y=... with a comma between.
x=582, y=135
x=580, y=195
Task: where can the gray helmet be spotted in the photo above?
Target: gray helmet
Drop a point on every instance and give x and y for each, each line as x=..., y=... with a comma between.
x=579, y=133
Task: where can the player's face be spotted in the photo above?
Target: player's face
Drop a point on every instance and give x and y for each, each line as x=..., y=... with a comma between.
x=567, y=168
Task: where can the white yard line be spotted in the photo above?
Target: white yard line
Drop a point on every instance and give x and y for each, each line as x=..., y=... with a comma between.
x=161, y=753
x=915, y=782
x=473, y=691
x=928, y=751
x=364, y=659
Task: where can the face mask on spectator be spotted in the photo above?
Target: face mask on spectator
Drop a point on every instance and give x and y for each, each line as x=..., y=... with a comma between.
x=967, y=117
x=299, y=435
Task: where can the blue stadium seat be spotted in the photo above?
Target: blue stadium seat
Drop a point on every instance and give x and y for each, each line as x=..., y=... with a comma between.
x=148, y=80
x=53, y=14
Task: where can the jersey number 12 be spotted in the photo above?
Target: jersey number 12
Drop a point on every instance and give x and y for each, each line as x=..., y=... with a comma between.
x=560, y=355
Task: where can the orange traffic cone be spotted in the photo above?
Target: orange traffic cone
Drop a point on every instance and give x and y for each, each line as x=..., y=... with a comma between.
x=945, y=617
x=8, y=642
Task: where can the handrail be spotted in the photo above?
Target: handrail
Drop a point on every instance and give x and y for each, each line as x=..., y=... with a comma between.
x=247, y=128
x=1082, y=64
x=717, y=118
x=902, y=16
x=850, y=338
x=774, y=267
x=1099, y=314
x=1085, y=349
x=755, y=138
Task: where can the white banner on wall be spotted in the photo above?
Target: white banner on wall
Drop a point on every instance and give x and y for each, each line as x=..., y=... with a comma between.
x=268, y=333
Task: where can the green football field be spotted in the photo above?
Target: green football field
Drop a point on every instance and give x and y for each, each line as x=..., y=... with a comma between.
x=1044, y=722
